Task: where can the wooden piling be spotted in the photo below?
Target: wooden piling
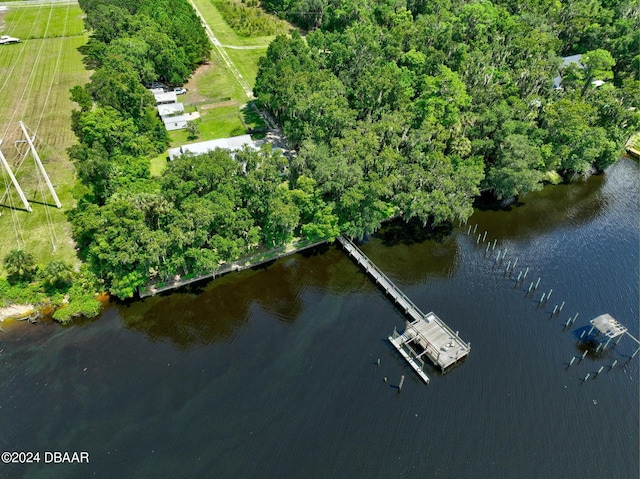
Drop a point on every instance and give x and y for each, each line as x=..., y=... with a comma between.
x=542, y=297
x=478, y=240
x=549, y=295
x=401, y=383
x=634, y=354
x=573, y=358
x=586, y=377
x=494, y=245
x=561, y=306
x=582, y=335
x=584, y=354
x=469, y=230
x=566, y=325
x=378, y=361
x=613, y=365
x=526, y=272
x=485, y=236
x=599, y=348
x=530, y=286
x=475, y=228
x=537, y=283
x=487, y=250
x=606, y=344
x=515, y=263
x=519, y=274
x=574, y=318
x=554, y=310
x=600, y=370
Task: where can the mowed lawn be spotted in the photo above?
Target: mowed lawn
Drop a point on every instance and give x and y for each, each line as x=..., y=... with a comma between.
x=35, y=78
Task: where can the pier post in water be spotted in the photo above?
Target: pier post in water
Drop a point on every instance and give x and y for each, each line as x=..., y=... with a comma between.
x=401, y=383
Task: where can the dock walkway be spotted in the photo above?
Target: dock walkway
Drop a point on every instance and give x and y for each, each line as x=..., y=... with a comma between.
x=401, y=299
x=424, y=334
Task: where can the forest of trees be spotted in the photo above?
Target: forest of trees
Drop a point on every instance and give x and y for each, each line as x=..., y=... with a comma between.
x=414, y=107
x=395, y=108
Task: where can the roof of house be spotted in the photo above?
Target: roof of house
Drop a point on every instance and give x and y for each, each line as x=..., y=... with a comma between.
x=166, y=97
x=170, y=108
x=232, y=143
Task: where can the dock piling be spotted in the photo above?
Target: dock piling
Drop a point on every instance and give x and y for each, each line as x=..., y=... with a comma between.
x=613, y=365
x=487, y=250
x=485, y=236
x=378, y=361
x=401, y=383
x=582, y=335
x=561, y=306
x=574, y=318
x=519, y=274
x=494, y=245
x=566, y=325
x=542, y=298
x=554, y=310
x=530, y=286
x=549, y=295
x=600, y=370
x=537, y=283
x=478, y=240
x=584, y=354
x=469, y=230
x=586, y=377
x=573, y=358
x=526, y=272
x=475, y=228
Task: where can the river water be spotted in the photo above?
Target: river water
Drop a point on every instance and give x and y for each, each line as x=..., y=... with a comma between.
x=272, y=373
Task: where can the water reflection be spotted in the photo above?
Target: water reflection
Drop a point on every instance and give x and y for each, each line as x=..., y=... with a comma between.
x=418, y=252
x=565, y=205
x=215, y=311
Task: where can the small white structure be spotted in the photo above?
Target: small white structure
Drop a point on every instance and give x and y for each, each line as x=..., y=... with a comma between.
x=169, y=109
x=178, y=122
x=165, y=97
x=233, y=143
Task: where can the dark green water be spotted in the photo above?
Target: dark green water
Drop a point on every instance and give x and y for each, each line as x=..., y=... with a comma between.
x=272, y=373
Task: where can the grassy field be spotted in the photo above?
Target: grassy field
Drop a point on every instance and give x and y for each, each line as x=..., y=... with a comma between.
x=223, y=31
x=35, y=78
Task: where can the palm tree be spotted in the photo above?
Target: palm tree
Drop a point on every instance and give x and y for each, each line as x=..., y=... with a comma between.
x=57, y=273
x=19, y=263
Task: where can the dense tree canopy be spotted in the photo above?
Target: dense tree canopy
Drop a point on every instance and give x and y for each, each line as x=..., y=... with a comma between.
x=411, y=108
x=396, y=108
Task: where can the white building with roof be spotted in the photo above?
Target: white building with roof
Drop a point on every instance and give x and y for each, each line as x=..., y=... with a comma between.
x=169, y=109
x=165, y=97
x=232, y=144
x=178, y=122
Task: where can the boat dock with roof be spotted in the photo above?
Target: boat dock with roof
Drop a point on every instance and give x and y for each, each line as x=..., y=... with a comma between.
x=424, y=334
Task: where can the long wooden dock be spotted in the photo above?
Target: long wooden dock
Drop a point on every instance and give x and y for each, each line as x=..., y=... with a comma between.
x=424, y=334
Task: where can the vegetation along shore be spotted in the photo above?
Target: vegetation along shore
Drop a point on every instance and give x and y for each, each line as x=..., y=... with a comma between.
x=403, y=109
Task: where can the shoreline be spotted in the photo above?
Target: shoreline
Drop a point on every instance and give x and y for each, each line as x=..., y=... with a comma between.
x=16, y=311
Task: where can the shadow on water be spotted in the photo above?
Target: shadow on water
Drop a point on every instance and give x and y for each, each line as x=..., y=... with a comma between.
x=409, y=252
x=224, y=305
x=545, y=210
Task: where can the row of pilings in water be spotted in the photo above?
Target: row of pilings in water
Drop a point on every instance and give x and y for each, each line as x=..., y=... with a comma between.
x=497, y=254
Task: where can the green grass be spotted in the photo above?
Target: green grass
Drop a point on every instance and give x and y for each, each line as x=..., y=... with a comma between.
x=28, y=94
x=223, y=31
x=246, y=61
x=45, y=21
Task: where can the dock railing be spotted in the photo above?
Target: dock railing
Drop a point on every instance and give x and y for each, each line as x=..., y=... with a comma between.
x=380, y=277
